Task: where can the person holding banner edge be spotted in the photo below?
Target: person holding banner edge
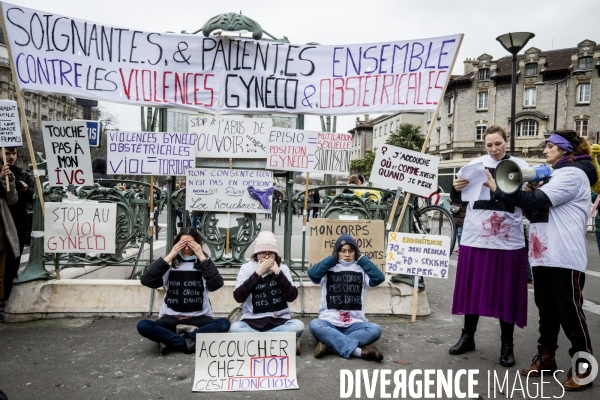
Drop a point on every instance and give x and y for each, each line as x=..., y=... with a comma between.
x=558, y=211
x=187, y=275
x=491, y=277
x=342, y=326
x=9, y=239
x=265, y=286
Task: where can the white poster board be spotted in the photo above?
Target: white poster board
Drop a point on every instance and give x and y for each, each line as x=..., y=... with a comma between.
x=245, y=362
x=291, y=149
x=212, y=189
x=80, y=228
x=150, y=153
x=230, y=136
x=422, y=255
x=67, y=153
x=333, y=153
x=10, y=127
x=412, y=171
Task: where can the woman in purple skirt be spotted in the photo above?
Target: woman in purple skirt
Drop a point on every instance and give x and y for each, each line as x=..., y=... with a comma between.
x=491, y=277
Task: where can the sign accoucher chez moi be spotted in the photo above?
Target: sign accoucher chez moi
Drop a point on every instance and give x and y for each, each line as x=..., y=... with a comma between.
x=63, y=55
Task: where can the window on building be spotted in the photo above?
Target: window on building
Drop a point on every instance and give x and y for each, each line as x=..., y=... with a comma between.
x=528, y=127
x=380, y=131
x=450, y=105
x=585, y=63
x=58, y=107
x=581, y=127
x=583, y=93
x=384, y=131
x=479, y=130
x=529, y=96
x=397, y=123
x=531, y=69
x=27, y=105
x=482, y=100
x=484, y=74
x=449, y=134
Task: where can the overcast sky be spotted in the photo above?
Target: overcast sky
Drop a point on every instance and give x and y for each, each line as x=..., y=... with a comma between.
x=556, y=24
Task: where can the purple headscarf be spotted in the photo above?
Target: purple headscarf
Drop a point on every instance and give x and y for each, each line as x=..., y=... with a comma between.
x=560, y=142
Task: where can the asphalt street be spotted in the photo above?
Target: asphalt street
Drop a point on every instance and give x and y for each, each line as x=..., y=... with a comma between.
x=105, y=358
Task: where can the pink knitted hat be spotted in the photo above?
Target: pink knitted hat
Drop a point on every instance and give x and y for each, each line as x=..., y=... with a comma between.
x=265, y=241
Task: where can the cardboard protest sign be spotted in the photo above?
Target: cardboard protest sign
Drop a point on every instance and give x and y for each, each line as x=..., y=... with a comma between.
x=232, y=136
x=211, y=189
x=150, y=153
x=422, y=255
x=67, y=153
x=245, y=361
x=230, y=74
x=10, y=127
x=333, y=153
x=291, y=149
x=368, y=234
x=412, y=171
x=80, y=227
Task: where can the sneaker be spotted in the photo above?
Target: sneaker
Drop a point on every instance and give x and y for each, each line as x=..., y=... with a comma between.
x=164, y=349
x=191, y=345
x=298, y=351
x=370, y=352
x=181, y=328
x=321, y=350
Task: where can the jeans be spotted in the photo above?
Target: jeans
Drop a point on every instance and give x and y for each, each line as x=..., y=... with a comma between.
x=163, y=330
x=344, y=340
x=458, y=235
x=292, y=325
x=598, y=240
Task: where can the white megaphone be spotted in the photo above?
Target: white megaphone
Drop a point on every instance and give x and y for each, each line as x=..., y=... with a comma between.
x=510, y=177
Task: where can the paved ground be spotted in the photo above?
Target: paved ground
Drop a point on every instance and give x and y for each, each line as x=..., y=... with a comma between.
x=106, y=359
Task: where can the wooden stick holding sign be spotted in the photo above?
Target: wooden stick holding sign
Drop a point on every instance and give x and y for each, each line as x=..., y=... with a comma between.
x=399, y=193
x=7, y=181
x=408, y=194
x=22, y=110
x=305, y=203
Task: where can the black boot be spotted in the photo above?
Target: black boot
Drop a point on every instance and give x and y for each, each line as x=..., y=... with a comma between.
x=507, y=358
x=465, y=343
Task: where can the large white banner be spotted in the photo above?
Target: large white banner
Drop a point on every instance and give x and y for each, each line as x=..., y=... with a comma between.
x=10, y=127
x=80, y=227
x=63, y=55
x=211, y=189
x=231, y=136
x=150, y=153
x=67, y=153
x=291, y=149
x=245, y=362
x=412, y=171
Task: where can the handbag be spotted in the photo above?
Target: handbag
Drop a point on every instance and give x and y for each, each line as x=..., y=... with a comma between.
x=455, y=209
x=235, y=315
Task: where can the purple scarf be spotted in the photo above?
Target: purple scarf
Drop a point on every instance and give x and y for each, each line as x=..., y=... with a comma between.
x=261, y=195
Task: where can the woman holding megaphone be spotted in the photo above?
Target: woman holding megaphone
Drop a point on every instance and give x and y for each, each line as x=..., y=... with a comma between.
x=558, y=211
x=491, y=277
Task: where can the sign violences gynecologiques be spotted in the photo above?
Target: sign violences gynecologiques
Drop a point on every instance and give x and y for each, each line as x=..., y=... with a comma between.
x=245, y=362
x=80, y=227
x=67, y=153
x=422, y=255
x=230, y=136
x=150, y=153
x=63, y=55
x=10, y=128
x=223, y=190
x=291, y=149
x=412, y=171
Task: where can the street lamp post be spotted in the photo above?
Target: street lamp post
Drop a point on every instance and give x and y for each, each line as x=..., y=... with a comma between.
x=513, y=43
x=576, y=72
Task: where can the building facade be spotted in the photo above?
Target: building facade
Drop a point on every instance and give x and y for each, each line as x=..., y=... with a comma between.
x=384, y=127
x=481, y=97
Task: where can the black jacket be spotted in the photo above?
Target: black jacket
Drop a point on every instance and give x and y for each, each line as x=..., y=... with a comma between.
x=99, y=169
x=18, y=211
x=153, y=277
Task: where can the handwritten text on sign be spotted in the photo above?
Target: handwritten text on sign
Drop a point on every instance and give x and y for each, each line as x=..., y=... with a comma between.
x=58, y=54
x=333, y=153
x=245, y=361
x=412, y=171
x=80, y=228
x=369, y=236
x=291, y=149
x=67, y=153
x=423, y=255
x=226, y=189
x=234, y=136
x=10, y=128
x=150, y=153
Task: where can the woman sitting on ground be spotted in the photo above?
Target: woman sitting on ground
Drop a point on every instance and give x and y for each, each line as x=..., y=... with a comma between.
x=187, y=275
x=265, y=286
x=342, y=325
